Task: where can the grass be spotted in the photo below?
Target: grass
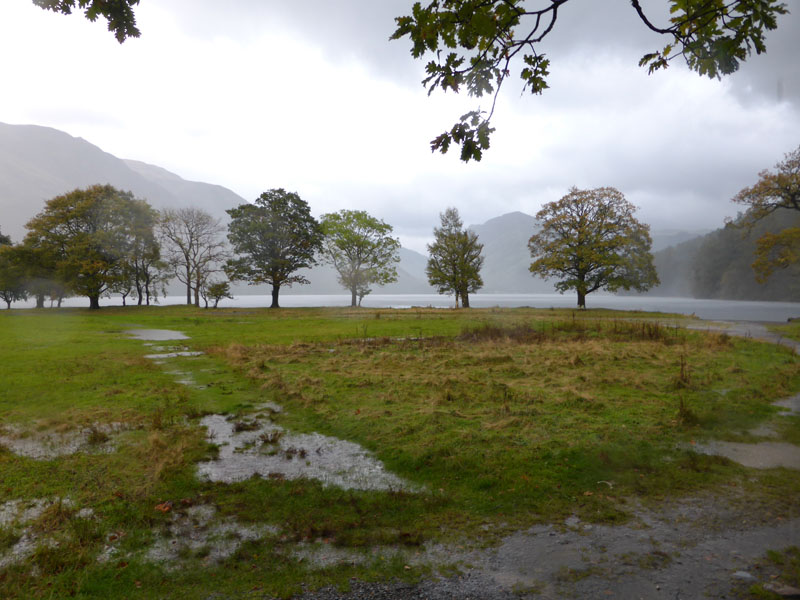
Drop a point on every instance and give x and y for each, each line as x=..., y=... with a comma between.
x=504, y=418
x=782, y=567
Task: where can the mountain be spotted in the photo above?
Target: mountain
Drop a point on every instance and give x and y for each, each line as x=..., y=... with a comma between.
x=39, y=163
x=506, y=256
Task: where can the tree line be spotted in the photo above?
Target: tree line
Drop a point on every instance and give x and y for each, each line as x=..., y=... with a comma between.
x=99, y=241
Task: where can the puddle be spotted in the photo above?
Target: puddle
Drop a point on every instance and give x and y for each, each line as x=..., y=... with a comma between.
x=165, y=355
x=185, y=378
x=46, y=445
x=271, y=452
x=156, y=335
x=194, y=534
x=792, y=406
x=323, y=556
x=764, y=455
x=16, y=514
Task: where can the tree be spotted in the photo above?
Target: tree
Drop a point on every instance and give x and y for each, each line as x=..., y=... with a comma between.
x=12, y=273
x=143, y=269
x=84, y=238
x=275, y=236
x=455, y=258
x=193, y=246
x=360, y=248
x=475, y=43
x=591, y=240
x=216, y=291
x=118, y=13
x=776, y=251
x=774, y=191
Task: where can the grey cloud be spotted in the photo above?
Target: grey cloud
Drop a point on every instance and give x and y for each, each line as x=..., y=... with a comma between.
x=359, y=30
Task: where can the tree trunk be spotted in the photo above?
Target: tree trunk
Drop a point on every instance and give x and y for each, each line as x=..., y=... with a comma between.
x=581, y=299
x=94, y=301
x=353, y=296
x=465, y=300
x=8, y=304
x=39, y=300
x=275, y=291
x=189, y=294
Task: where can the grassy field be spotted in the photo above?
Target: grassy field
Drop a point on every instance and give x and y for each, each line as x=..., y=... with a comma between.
x=497, y=418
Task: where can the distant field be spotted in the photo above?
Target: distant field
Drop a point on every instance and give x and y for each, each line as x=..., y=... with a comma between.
x=496, y=418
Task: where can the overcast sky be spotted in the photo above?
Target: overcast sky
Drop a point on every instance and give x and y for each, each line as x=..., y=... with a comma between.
x=312, y=97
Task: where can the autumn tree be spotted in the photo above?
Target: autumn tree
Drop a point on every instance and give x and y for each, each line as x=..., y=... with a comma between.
x=590, y=240
x=85, y=238
x=274, y=238
x=455, y=260
x=775, y=191
x=361, y=249
x=193, y=247
x=473, y=45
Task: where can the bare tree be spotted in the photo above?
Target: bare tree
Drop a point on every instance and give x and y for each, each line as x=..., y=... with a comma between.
x=193, y=247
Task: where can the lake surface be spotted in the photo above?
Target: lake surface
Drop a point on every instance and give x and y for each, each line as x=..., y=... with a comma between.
x=724, y=310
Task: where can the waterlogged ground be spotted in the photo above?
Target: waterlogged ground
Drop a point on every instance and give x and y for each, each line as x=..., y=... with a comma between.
x=689, y=548
x=260, y=447
x=762, y=454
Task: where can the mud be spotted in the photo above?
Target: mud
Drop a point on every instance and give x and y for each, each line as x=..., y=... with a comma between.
x=269, y=451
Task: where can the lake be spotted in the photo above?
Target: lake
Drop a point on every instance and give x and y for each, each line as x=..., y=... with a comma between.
x=726, y=310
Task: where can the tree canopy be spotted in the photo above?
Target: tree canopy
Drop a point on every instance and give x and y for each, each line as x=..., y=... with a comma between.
x=85, y=238
x=473, y=44
x=775, y=191
x=361, y=249
x=118, y=13
x=274, y=237
x=591, y=241
x=454, y=265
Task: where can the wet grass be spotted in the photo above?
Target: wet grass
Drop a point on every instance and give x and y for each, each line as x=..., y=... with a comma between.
x=790, y=330
x=505, y=418
x=782, y=569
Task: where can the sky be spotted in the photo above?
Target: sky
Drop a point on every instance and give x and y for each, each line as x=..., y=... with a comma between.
x=313, y=97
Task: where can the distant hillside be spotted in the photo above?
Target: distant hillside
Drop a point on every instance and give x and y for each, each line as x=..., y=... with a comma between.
x=39, y=163
x=718, y=265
